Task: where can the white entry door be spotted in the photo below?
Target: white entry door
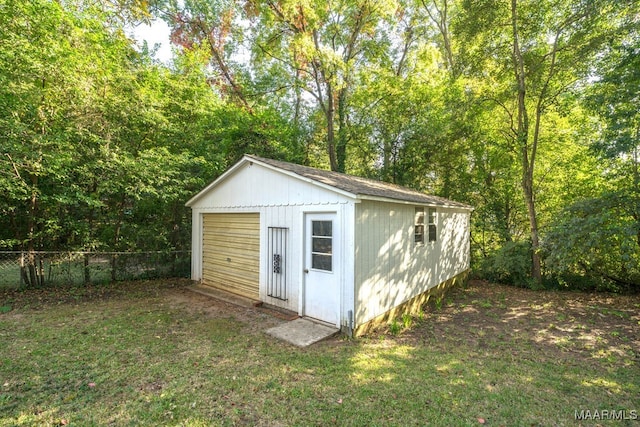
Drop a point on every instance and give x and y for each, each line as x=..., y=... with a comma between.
x=322, y=268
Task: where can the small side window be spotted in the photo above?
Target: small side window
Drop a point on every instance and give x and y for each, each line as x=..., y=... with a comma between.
x=433, y=231
x=418, y=234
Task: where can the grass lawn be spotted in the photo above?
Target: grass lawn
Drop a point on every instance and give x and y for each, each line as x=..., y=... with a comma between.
x=152, y=353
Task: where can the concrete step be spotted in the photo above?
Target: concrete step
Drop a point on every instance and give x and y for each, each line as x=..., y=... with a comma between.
x=302, y=332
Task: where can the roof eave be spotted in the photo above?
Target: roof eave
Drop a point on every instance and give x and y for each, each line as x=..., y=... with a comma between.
x=355, y=197
x=410, y=202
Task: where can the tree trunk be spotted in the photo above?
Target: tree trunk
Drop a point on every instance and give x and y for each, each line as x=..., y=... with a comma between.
x=636, y=186
x=527, y=153
x=536, y=265
x=87, y=272
x=341, y=145
x=30, y=268
x=387, y=155
x=506, y=230
x=441, y=19
x=331, y=133
x=114, y=267
x=116, y=237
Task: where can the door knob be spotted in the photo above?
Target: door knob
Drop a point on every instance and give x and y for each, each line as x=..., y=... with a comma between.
x=306, y=270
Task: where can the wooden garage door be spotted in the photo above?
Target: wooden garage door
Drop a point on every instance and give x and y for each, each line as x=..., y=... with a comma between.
x=231, y=252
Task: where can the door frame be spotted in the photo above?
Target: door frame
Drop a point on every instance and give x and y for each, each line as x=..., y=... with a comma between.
x=337, y=262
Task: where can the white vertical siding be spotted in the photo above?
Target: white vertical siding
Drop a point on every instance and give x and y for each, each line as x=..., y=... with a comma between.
x=390, y=268
x=347, y=218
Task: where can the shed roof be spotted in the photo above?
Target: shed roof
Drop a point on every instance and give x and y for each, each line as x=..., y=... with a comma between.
x=362, y=188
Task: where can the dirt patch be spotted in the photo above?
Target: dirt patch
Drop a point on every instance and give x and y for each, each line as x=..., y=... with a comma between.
x=489, y=317
x=255, y=318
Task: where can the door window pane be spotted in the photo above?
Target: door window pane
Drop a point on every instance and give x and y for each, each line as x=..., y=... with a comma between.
x=321, y=244
x=322, y=228
x=321, y=262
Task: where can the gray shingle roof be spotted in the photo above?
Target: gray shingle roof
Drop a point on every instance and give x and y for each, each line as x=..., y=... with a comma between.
x=360, y=186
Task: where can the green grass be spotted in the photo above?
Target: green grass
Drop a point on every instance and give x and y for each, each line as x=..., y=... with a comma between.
x=142, y=354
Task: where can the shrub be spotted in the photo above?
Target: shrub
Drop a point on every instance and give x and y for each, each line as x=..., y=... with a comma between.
x=595, y=244
x=510, y=264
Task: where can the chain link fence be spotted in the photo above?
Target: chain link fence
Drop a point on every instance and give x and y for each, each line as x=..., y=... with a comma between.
x=21, y=269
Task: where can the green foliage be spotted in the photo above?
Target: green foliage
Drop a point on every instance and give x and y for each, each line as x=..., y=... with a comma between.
x=509, y=264
x=407, y=320
x=615, y=96
x=395, y=327
x=101, y=146
x=598, y=237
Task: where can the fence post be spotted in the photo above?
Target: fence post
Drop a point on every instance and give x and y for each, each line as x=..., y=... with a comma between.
x=21, y=268
x=87, y=274
x=114, y=258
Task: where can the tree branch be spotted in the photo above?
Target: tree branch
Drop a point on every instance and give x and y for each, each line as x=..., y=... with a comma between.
x=226, y=72
x=15, y=168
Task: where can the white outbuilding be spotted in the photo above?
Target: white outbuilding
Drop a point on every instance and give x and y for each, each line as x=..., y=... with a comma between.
x=347, y=251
